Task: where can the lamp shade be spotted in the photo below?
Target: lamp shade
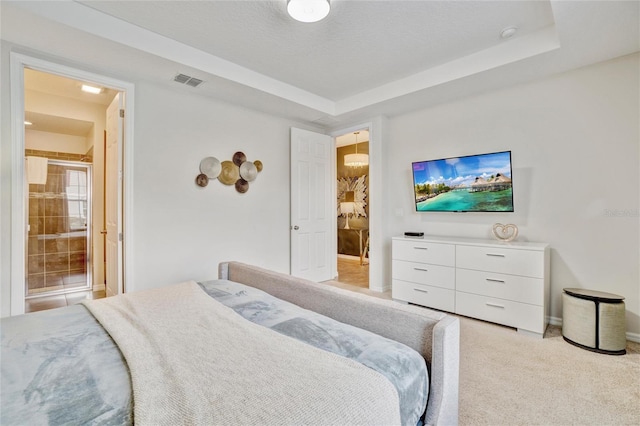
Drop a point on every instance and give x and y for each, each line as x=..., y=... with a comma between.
x=308, y=10
x=356, y=160
x=347, y=208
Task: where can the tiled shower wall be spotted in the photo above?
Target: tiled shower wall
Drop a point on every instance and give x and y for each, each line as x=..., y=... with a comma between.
x=57, y=255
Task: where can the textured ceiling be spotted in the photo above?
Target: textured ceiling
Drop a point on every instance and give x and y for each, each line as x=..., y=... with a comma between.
x=366, y=58
x=359, y=46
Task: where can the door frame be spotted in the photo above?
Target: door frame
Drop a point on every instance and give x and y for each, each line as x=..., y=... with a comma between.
x=18, y=62
x=377, y=260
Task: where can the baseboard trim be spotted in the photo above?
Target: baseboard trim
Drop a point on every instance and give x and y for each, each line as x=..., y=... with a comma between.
x=555, y=321
x=632, y=337
x=381, y=290
x=98, y=287
x=349, y=257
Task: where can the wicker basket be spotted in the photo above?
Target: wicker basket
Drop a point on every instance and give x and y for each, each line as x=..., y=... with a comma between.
x=594, y=320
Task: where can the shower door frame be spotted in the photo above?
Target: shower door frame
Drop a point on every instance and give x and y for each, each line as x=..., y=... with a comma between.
x=88, y=237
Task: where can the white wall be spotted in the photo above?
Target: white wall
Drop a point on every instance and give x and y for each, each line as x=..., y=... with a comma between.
x=182, y=231
x=575, y=143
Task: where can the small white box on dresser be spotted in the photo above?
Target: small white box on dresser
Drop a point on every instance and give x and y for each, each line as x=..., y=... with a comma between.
x=505, y=283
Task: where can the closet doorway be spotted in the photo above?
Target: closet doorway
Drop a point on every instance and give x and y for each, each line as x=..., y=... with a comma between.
x=352, y=207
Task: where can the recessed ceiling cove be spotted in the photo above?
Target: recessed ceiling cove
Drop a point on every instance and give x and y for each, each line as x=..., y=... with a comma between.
x=369, y=57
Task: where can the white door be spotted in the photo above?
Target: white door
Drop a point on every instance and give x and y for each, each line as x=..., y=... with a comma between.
x=113, y=197
x=312, y=209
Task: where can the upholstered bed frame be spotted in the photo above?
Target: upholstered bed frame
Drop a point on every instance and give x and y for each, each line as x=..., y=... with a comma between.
x=435, y=335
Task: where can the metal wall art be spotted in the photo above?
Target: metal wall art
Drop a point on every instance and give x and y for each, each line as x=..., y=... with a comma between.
x=238, y=171
x=358, y=186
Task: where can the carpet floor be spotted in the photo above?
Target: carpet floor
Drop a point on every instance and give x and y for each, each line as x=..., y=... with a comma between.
x=507, y=378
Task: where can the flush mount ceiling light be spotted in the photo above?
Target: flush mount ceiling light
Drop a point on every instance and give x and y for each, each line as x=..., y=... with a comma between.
x=308, y=10
x=91, y=89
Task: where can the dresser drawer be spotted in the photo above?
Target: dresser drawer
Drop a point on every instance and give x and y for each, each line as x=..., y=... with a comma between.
x=424, y=273
x=512, y=314
x=424, y=295
x=509, y=287
x=528, y=263
x=421, y=251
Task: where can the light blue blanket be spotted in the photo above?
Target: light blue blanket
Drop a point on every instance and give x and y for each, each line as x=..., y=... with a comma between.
x=401, y=365
x=61, y=367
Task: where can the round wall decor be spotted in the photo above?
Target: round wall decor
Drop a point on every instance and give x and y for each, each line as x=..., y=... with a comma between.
x=238, y=171
x=202, y=180
x=210, y=166
x=239, y=158
x=242, y=186
x=248, y=171
x=229, y=174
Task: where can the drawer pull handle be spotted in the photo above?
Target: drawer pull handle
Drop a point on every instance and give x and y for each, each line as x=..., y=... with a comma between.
x=495, y=281
x=495, y=255
x=495, y=306
x=421, y=290
x=421, y=248
x=421, y=269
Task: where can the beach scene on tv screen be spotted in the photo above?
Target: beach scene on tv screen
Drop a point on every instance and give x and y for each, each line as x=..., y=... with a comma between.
x=471, y=183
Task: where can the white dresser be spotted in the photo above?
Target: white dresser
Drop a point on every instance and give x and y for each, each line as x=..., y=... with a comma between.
x=505, y=283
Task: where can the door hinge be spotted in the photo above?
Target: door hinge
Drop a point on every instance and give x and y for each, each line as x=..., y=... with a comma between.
x=120, y=236
x=121, y=113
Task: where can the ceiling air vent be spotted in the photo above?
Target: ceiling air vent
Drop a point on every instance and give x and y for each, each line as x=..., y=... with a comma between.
x=188, y=80
x=193, y=82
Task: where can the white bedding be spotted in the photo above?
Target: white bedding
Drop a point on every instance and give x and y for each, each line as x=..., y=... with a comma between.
x=194, y=361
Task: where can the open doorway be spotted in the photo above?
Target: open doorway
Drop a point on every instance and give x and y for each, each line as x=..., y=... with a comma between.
x=58, y=136
x=64, y=168
x=352, y=209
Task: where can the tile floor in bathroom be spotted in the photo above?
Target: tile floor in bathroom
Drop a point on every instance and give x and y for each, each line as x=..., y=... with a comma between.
x=61, y=300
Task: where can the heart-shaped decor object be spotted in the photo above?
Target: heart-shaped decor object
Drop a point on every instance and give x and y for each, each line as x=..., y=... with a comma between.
x=506, y=232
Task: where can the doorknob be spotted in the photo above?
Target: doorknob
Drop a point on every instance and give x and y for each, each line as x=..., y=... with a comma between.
x=296, y=227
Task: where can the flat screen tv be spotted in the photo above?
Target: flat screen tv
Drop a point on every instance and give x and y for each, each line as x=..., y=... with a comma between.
x=473, y=183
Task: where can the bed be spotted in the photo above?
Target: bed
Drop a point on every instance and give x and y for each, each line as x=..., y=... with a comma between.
x=252, y=347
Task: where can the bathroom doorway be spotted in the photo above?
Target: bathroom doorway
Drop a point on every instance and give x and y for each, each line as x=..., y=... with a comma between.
x=49, y=106
x=64, y=126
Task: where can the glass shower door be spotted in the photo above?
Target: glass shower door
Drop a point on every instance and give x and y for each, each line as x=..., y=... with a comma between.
x=59, y=238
